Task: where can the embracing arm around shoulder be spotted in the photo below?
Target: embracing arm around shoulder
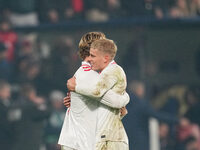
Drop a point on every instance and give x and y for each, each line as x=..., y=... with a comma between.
x=99, y=87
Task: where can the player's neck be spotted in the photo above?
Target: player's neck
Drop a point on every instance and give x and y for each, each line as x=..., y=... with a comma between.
x=105, y=65
x=86, y=59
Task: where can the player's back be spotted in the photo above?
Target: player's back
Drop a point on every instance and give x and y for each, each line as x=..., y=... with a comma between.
x=79, y=126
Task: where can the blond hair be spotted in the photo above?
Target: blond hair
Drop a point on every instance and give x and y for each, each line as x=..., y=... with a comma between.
x=106, y=46
x=86, y=41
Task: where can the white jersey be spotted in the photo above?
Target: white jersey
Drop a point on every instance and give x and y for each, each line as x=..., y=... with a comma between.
x=109, y=124
x=80, y=125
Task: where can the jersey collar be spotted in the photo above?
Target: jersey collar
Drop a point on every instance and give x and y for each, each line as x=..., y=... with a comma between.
x=86, y=63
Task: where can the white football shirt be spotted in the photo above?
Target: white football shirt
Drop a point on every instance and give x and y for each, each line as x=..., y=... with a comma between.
x=109, y=124
x=79, y=125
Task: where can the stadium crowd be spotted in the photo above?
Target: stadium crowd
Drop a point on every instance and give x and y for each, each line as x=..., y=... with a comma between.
x=34, y=12
x=31, y=100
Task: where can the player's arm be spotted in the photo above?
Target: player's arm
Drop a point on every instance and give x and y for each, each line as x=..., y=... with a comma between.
x=105, y=82
x=114, y=100
x=102, y=85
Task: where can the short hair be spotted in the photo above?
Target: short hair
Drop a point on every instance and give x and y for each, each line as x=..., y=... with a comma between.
x=106, y=46
x=86, y=41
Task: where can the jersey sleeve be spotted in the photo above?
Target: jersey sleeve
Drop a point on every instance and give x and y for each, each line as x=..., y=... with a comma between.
x=114, y=100
x=105, y=82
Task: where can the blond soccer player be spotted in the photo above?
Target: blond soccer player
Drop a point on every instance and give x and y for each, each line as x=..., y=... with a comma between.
x=110, y=133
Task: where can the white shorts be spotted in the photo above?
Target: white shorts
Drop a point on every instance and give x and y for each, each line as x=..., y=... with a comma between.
x=109, y=145
x=66, y=148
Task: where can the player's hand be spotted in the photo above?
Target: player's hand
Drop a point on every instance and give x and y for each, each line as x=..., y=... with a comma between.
x=123, y=111
x=67, y=100
x=71, y=84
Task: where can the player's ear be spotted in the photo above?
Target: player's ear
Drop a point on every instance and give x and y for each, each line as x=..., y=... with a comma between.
x=106, y=58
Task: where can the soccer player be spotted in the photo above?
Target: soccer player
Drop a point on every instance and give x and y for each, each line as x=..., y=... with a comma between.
x=110, y=134
x=79, y=127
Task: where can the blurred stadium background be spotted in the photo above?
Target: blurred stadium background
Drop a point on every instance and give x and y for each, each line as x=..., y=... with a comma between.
x=158, y=47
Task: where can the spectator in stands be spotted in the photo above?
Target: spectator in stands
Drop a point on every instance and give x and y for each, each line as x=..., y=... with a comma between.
x=180, y=9
x=103, y=10
x=137, y=122
x=166, y=142
x=6, y=132
x=49, y=12
x=96, y=11
x=190, y=125
x=162, y=8
x=29, y=130
x=55, y=120
x=53, y=16
x=23, y=12
x=9, y=38
x=194, y=6
x=75, y=10
x=53, y=11
x=25, y=55
x=5, y=66
x=186, y=130
x=32, y=74
x=113, y=8
x=21, y=67
x=26, y=50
